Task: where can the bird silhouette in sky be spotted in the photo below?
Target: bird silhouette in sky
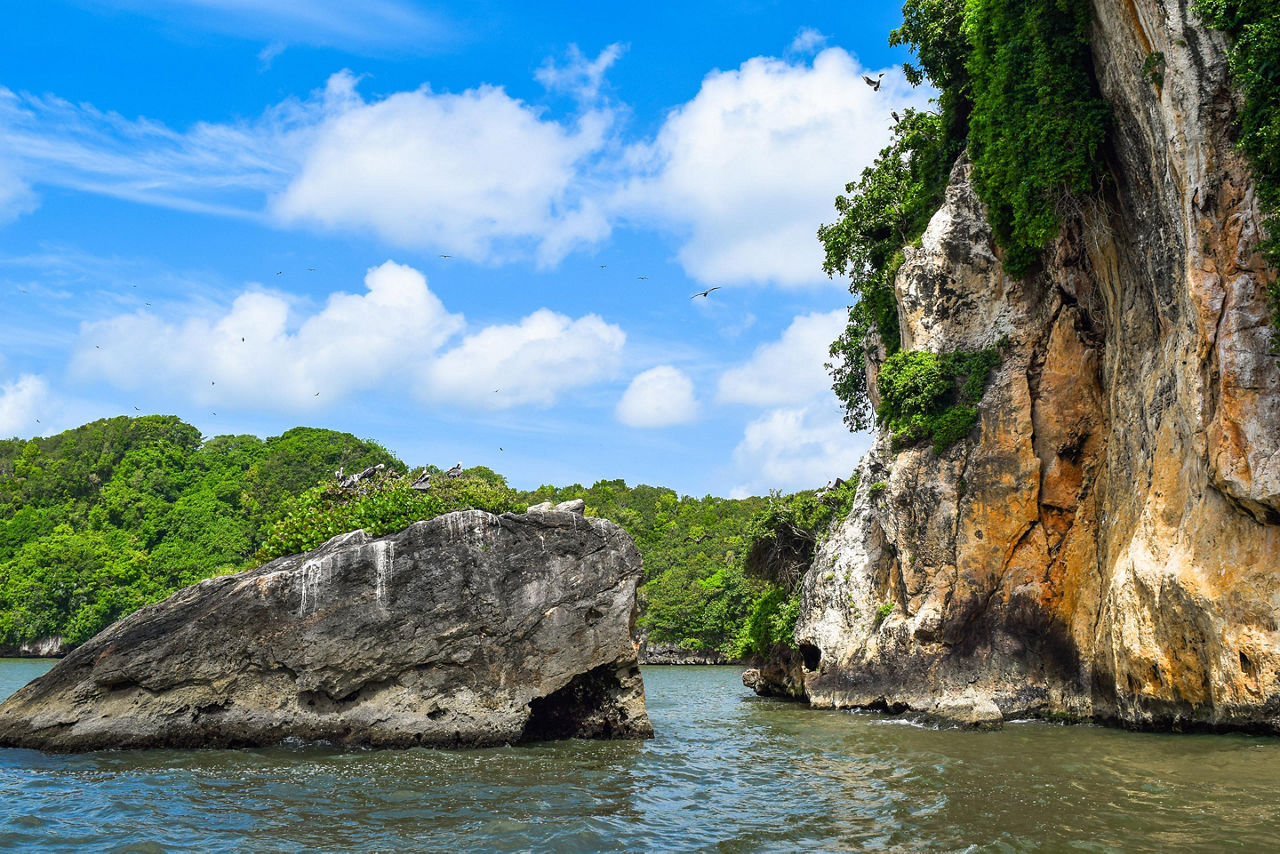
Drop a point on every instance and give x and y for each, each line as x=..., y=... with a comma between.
x=704, y=293
x=896, y=117
x=874, y=84
x=311, y=269
x=446, y=256
x=317, y=394
x=642, y=277
x=602, y=266
x=136, y=409
x=279, y=272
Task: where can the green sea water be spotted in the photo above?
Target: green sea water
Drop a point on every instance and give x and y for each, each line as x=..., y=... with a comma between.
x=727, y=772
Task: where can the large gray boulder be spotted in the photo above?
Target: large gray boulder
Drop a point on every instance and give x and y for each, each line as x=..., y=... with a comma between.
x=467, y=629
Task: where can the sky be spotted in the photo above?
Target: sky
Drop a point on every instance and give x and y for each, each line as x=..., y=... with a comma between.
x=467, y=231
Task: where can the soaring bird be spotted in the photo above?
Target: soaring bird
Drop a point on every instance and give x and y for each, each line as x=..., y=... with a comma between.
x=874, y=84
x=642, y=277
x=279, y=272
x=446, y=256
x=456, y=471
x=896, y=117
x=704, y=293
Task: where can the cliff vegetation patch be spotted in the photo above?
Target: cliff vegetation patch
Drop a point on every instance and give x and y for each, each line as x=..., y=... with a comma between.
x=933, y=396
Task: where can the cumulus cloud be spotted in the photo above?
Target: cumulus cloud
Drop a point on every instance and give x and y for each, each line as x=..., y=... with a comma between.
x=796, y=448
x=464, y=172
x=659, y=397
x=530, y=362
x=265, y=351
x=253, y=355
x=749, y=167
x=789, y=370
x=22, y=401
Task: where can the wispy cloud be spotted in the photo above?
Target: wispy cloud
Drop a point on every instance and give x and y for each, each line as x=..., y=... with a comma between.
x=367, y=26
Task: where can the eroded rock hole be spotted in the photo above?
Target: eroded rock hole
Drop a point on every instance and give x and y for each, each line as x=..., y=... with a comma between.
x=1246, y=666
x=812, y=656
x=581, y=709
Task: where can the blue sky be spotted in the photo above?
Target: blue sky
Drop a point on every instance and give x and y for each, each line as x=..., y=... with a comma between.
x=236, y=211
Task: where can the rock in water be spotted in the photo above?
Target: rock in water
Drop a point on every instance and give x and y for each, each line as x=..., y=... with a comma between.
x=467, y=629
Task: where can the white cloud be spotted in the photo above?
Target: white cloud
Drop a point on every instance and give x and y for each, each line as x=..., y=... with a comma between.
x=466, y=173
x=16, y=197
x=789, y=370
x=21, y=403
x=807, y=40
x=531, y=362
x=796, y=448
x=579, y=76
x=659, y=397
x=253, y=355
x=263, y=351
x=749, y=168
x=742, y=173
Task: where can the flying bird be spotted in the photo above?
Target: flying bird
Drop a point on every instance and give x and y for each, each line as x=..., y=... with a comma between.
x=136, y=409
x=311, y=269
x=874, y=84
x=602, y=266
x=279, y=272
x=317, y=394
x=704, y=293
x=642, y=277
x=896, y=117
x=446, y=256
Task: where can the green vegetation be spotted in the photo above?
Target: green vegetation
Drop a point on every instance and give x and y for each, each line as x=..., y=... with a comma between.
x=101, y=520
x=1016, y=89
x=884, y=610
x=933, y=396
x=97, y=521
x=1254, y=27
x=696, y=594
x=383, y=504
x=1037, y=122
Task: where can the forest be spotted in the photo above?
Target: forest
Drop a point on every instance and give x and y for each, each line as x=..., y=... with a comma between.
x=97, y=521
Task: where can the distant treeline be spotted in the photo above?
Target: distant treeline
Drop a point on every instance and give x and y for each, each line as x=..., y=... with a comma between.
x=98, y=521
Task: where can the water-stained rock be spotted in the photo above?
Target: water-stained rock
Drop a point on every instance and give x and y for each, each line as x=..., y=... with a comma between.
x=467, y=629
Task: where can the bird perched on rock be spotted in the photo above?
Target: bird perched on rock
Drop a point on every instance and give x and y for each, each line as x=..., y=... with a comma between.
x=874, y=84
x=456, y=471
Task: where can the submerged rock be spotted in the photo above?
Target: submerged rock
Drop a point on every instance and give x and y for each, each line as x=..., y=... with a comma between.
x=467, y=629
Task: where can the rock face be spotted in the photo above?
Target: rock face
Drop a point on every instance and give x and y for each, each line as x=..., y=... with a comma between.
x=43, y=648
x=467, y=629
x=1106, y=543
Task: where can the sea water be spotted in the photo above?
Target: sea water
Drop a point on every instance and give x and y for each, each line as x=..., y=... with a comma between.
x=728, y=771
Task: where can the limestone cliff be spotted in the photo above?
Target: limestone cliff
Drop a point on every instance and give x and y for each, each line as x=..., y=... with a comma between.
x=1106, y=543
